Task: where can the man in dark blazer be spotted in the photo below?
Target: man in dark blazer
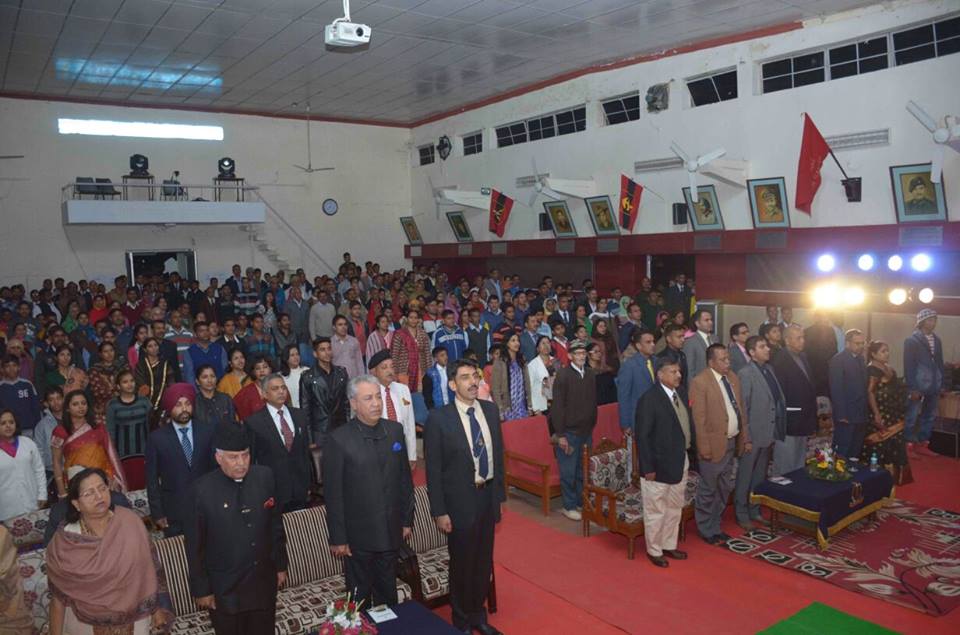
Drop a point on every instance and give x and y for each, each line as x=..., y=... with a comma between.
x=793, y=373
x=695, y=347
x=280, y=441
x=665, y=434
x=564, y=314
x=368, y=491
x=820, y=345
x=673, y=337
x=636, y=375
x=463, y=448
x=848, y=394
x=678, y=295
x=177, y=454
x=739, y=357
x=234, y=539
x=765, y=405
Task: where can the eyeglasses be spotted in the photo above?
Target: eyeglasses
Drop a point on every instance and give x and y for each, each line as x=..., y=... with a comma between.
x=90, y=493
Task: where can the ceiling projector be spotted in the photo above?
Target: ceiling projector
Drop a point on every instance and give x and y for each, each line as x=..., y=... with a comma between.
x=343, y=33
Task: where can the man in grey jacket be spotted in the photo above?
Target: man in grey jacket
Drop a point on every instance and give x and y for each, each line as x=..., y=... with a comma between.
x=695, y=348
x=766, y=411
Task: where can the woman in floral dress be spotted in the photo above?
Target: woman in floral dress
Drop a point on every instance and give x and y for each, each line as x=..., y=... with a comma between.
x=887, y=397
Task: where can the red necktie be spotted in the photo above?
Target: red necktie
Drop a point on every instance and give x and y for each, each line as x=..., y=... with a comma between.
x=391, y=411
x=285, y=431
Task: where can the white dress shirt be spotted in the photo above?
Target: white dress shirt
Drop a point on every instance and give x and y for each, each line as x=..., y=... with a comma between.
x=484, y=430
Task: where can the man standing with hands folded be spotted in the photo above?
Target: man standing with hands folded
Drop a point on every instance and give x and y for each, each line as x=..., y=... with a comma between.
x=368, y=491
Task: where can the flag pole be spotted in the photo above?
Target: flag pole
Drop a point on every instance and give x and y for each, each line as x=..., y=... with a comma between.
x=835, y=159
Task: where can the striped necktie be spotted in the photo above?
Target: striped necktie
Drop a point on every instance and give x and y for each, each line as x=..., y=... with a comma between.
x=186, y=445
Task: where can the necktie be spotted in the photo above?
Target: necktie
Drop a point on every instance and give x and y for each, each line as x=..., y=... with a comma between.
x=650, y=370
x=285, y=431
x=391, y=410
x=479, y=447
x=186, y=445
x=733, y=401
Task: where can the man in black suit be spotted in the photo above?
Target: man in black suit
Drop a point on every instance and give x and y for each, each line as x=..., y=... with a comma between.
x=463, y=448
x=678, y=295
x=280, y=441
x=368, y=491
x=564, y=314
x=234, y=540
x=792, y=369
x=665, y=433
x=177, y=455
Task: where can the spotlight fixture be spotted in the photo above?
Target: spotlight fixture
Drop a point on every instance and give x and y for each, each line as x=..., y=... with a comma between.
x=925, y=295
x=894, y=263
x=139, y=165
x=920, y=262
x=444, y=146
x=826, y=296
x=826, y=263
x=227, y=168
x=854, y=296
x=865, y=262
x=897, y=296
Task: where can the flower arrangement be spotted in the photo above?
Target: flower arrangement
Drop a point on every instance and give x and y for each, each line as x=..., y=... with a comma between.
x=343, y=617
x=825, y=466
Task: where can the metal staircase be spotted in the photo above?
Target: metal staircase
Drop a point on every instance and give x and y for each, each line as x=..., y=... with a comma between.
x=275, y=239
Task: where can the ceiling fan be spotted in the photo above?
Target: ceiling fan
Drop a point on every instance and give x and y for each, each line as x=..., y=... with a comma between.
x=946, y=135
x=309, y=169
x=446, y=195
x=692, y=166
x=558, y=188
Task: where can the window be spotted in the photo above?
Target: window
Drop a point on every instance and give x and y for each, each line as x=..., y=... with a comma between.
x=427, y=154
x=511, y=134
x=927, y=41
x=621, y=109
x=793, y=72
x=859, y=58
x=572, y=121
x=104, y=128
x=713, y=89
x=541, y=128
x=472, y=144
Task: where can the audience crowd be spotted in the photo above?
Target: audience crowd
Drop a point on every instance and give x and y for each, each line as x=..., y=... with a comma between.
x=153, y=366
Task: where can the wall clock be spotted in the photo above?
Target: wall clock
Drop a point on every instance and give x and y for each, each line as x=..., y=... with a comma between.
x=330, y=207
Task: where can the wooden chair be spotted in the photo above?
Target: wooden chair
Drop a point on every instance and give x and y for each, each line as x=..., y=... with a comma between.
x=530, y=463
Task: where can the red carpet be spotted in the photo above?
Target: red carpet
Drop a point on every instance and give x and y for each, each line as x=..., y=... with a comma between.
x=714, y=590
x=907, y=556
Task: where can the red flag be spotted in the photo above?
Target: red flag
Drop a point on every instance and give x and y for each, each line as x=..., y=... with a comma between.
x=630, y=192
x=813, y=150
x=500, y=206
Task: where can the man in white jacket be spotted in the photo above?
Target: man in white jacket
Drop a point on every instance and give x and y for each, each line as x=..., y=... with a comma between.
x=397, y=403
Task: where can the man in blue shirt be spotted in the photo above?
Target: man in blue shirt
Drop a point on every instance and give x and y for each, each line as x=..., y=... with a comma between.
x=450, y=336
x=492, y=318
x=201, y=352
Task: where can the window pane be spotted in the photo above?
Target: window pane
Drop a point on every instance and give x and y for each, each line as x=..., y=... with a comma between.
x=632, y=103
x=913, y=37
x=809, y=77
x=778, y=83
x=808, y=62
x=843, y=70
x=776, y=69
x=876, y=46
x=873, y=64
x=843, y=54
x=948, y=28
x=619, y=117
x=503, y=136
x=426, y=155
x=915, y=54
x=726, y=85
x=613, y=107
x=945, y=47
x=703, y=92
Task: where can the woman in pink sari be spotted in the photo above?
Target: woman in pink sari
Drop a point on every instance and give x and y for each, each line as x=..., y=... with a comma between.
x=103, y=571
x=79, y=441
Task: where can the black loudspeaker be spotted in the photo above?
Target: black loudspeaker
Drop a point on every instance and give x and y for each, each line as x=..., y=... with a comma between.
x=545, y=225
x=679, y=213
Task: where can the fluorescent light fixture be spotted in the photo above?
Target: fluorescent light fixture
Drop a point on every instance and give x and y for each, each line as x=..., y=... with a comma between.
x=142, y=129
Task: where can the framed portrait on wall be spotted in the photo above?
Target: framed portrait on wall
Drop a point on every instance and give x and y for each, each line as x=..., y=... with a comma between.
x=411, y=230
x=915, y=197
x=602, y=216
x=768, y=202
x=705, y=214
x=560, y=219
x=461, y=230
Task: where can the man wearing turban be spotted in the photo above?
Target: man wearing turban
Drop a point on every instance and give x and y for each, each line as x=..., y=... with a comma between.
x=178, y=453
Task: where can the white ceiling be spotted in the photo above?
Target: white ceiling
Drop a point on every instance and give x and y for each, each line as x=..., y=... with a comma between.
x=426, y=56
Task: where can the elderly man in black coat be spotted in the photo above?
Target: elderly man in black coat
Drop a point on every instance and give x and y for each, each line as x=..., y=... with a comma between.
x=368, y=491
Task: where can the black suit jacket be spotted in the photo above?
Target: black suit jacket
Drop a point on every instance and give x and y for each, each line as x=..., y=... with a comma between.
x=568, y=323
x=168, y=351
x=292, y=470
x=799, y=393
x=168, y=475
x=367, y=486
x=677, y=300
x=450, y=471
x=234, y=540
x=661, y=446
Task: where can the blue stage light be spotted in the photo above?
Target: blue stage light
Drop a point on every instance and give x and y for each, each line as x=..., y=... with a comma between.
x=826, y=263
x=921, y=262
x=894, y=263
x=865, y=262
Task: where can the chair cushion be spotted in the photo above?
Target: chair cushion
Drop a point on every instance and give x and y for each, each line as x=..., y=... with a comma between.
x=27, y=529
x=193, y=624
x=139, y=503
x=693, y=481
x=630, y=505
x=434, y=572
x=308, y=547
x=610, y=470
x=33, y=575
x=426, y=536
x=530, y=437
x=173, y=558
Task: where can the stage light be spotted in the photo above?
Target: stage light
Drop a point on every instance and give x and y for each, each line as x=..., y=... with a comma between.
x=925, y=295
x=854, y=296
x=920, y=262
x=865, y=262
x=894, y=263
x=898, y=296
x=139, y=165
x=826, y=296
x=227, y=168
x=826, y=263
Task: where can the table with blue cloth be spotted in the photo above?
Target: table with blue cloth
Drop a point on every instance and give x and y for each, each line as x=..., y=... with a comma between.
x=413, y=617
x=828, y=505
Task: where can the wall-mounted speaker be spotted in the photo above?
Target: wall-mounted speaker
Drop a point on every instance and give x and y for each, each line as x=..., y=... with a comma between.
x=679, y=213
x=545, y=225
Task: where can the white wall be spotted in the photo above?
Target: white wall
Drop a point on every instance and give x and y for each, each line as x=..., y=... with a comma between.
x=764, y=129
x=371, y=183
